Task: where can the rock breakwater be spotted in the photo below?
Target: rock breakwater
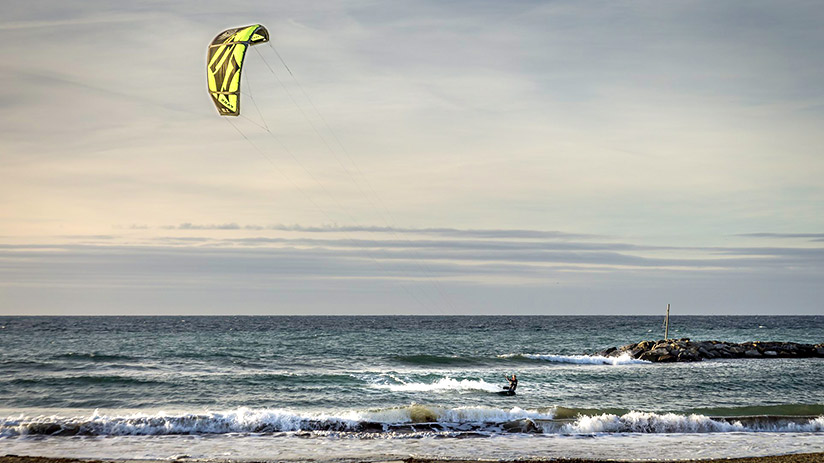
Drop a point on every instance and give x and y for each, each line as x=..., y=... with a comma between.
x=684, y=350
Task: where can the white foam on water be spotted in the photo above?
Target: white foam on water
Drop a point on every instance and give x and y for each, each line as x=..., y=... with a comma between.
x=814, y=425
x=655, y=423
x=486, y=420
x=643, y=422
x=443, y=384
x=245, y=420
x=624, y=359
x=287, y=448
x=161, y=423
x=416, y=413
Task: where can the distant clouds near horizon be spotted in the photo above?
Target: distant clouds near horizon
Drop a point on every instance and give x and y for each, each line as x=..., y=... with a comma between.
x=416, y=271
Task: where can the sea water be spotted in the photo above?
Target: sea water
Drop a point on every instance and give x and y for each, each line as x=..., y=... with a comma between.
x=382, y=388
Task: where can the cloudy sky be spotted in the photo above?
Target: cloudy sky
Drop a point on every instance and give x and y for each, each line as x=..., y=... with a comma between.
x=420, y=157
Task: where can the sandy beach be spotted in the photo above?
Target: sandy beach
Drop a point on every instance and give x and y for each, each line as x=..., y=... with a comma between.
x=797, y=458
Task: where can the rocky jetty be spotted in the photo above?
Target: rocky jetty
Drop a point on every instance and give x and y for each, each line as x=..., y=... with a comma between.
x=684, y=350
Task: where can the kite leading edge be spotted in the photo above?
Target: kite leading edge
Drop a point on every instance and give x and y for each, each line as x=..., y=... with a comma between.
x=224, y=64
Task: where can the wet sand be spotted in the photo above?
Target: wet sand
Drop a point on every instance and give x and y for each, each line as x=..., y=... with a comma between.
x=798, y=458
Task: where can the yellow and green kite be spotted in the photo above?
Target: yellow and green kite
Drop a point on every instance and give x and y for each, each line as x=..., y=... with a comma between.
x=225, y=61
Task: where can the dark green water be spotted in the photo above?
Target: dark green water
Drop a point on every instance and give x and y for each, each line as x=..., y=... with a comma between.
x=272, y=374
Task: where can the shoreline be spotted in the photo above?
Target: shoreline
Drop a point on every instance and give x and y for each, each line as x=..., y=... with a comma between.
x=793, y=458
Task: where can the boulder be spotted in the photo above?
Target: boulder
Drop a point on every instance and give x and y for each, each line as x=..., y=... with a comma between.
x=687, y=356
x=648, y=357
x=608, y=351
x=684, y=350
x=805, y=350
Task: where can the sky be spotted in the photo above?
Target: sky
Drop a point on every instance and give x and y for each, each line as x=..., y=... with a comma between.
x=414, y=157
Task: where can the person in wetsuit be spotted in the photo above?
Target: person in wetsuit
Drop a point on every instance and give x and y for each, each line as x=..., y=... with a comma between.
x=513, y=383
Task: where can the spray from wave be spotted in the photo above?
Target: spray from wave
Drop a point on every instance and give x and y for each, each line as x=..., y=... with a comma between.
x=579, y=359
x=643, y=422
x=412, y=418
x=398, y=422
x=443, y=384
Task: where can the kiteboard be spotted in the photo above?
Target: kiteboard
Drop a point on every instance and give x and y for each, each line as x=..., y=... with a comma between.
x=506, y=392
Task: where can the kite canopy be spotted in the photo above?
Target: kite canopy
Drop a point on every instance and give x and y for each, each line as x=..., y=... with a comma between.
x=224, y=63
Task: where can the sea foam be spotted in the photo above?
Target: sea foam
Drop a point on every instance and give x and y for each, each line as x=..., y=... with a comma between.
x=625, y=359
x=644, y=422
x=245, y=420
x=443, y=384
x=395, y=421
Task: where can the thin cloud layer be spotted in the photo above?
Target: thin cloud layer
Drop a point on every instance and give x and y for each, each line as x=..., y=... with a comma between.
x=458, y=136
x=402, y=276
x=804, y=236
x=385, y=230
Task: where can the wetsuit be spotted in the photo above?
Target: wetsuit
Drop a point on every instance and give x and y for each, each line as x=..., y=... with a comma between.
x=513, y=383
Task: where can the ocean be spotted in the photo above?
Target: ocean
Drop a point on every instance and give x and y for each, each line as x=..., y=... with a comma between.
x=352, y=388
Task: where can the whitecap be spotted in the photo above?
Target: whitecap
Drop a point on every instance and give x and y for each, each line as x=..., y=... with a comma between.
x=624, y=359
x=443, y=384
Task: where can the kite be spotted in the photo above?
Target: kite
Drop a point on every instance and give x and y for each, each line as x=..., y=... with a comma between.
x=225, y=62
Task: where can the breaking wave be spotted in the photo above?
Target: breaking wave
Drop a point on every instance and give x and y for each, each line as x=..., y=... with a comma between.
x=443, y=384
x=642, y=422
x=437, y=360
x=579, y=359
x=399, y=422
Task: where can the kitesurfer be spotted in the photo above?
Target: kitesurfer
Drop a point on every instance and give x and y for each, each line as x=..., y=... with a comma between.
x=513, y=383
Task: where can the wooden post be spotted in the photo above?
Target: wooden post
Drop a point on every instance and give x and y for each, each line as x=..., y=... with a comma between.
x=666, y=324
